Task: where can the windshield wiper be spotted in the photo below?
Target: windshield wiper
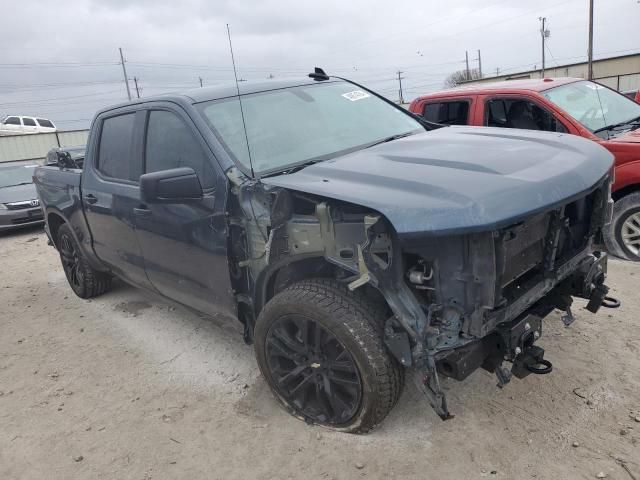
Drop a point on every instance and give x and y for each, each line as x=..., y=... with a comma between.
x=16, y=184
x=297, y=168
x=633, y=121
x=390, y=139
x=292, y=169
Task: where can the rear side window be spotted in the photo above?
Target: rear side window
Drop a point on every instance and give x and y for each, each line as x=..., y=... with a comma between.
x=29, y=122
x=171, y=144
x=115, y=153
x=12, y=121
x=520, y=113
x=447, y=113
x=45, y=123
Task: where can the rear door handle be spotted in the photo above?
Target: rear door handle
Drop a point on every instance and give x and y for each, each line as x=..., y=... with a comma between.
x=90, y=198
x=142, y=212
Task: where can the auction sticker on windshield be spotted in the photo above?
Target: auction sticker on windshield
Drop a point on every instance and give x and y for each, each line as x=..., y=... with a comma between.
x=355, y=95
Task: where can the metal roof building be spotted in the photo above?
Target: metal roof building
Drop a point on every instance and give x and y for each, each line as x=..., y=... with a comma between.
x=621, y=73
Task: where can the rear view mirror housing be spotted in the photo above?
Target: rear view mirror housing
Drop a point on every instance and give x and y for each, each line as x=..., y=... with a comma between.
x=177, y=185
x=64, y=160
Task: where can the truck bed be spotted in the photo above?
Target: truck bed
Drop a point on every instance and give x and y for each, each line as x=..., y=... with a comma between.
x=59, y=191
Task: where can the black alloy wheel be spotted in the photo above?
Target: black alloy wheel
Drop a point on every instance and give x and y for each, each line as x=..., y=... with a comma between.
x=320, y=348
x=71, y=261
x=313, y=371
x=85, y=281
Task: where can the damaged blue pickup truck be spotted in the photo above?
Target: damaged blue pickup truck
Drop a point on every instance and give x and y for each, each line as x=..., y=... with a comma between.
x=355, y=241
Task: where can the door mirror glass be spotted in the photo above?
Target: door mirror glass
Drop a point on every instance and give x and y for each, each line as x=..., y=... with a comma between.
x=177, y=185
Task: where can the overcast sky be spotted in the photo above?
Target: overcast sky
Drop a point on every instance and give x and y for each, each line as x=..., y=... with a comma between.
x=60, y=59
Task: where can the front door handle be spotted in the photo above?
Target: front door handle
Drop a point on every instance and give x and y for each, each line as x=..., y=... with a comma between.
x=142, y=212
x=89, y=198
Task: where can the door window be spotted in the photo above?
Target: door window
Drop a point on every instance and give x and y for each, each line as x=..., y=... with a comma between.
x=115, y=153
x=520, y=113
x=172, y=144
x=45, y=123
x=447, y=113
x=12, y=121
x=28, y=122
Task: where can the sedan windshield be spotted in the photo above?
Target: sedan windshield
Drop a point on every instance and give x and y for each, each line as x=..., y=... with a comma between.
x=298, y=125
x=594, y=106
x=16, y=175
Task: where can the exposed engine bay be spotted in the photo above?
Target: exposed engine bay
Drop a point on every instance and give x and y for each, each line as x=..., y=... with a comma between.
x=455, y=302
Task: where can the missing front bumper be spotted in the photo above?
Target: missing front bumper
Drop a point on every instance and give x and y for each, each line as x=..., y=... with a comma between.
x=513, y=341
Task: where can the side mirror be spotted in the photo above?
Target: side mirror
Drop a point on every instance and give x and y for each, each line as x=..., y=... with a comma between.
x=176, y=185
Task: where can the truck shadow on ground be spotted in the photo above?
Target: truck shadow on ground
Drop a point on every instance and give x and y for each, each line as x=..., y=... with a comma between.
x=208, y=354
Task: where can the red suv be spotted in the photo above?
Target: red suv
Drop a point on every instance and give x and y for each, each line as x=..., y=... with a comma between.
x=567, y=106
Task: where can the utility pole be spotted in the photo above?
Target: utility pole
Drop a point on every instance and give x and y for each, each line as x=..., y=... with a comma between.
x=544, y=34
x=590, y=71
x=135, y=82
x=124, y=71
x=466, y=59
x=401, y=98
x=497, y=71
x=200, y=78
x=479, y=64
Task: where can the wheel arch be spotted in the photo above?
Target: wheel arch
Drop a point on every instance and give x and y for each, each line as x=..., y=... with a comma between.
x=54, y=222
x=626, y=190
x=281, y=274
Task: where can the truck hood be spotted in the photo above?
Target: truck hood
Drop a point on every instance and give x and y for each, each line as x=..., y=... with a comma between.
x=18, y=193
x=458, y=179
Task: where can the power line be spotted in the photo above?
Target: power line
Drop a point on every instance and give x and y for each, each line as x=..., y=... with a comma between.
x=55, y=65
x=47, y=100
x=551, y=55
x=404, y=32
x=39, y=87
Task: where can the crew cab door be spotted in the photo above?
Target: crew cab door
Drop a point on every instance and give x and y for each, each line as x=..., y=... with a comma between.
x=524, y=112
x=449, y=110
x=110, y=192
x=29, y=125
x=185, y=244
x=12, y=125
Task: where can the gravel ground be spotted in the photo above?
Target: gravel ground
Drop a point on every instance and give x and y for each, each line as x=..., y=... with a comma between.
x=126, y=386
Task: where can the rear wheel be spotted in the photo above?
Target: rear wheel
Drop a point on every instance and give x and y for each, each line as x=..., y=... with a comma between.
x=626, y=226
x=85, y=281
x=321, y=351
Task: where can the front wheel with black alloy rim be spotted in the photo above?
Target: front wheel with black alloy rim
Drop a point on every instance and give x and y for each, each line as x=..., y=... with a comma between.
x=85, y=281
x=626, y=226
x=321, y=350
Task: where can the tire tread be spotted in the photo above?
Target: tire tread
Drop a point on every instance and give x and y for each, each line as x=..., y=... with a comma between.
x=365, y=320
x=95, y=283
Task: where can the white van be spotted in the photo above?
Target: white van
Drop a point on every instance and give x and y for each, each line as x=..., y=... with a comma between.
x=16, y=125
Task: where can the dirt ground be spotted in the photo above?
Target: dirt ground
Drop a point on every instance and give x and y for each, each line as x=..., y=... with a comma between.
x=127, y=387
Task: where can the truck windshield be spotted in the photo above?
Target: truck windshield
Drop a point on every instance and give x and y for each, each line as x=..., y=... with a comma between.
x=16, y=175
x=298, y=125
x=594, y=106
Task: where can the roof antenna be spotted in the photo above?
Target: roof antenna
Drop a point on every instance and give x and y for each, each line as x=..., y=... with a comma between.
x=244, y=125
